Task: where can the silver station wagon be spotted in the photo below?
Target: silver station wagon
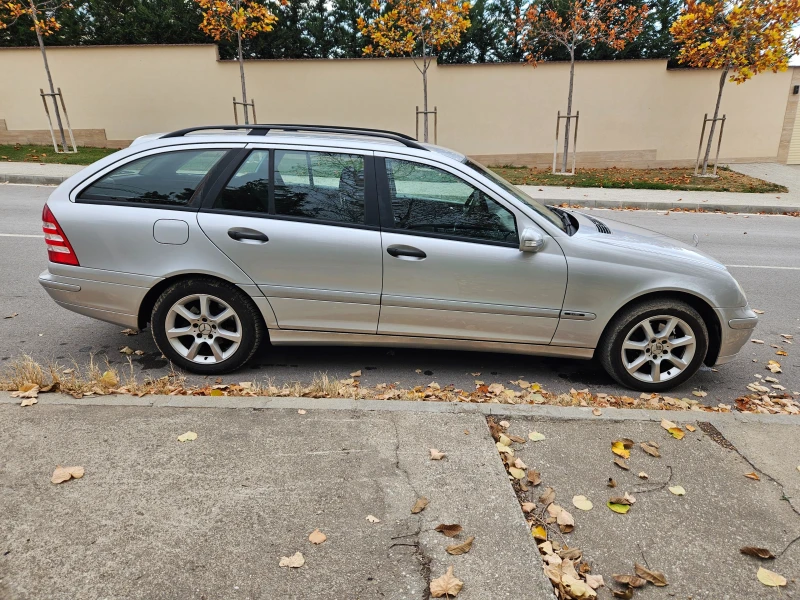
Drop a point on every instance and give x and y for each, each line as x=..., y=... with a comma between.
x=224, y=238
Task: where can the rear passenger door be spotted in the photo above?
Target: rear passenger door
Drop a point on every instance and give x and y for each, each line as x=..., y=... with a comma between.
x=303, y=224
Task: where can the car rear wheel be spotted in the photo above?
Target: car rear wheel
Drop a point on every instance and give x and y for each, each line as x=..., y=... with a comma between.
x=206, y=326
x=655, y=345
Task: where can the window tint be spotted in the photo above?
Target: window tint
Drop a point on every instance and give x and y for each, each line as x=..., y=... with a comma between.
x=320, y=185
x=170, y=178
x=430, y=200
x=248, y=189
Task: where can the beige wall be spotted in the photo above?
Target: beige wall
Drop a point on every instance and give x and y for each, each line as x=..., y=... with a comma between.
x=632, y=112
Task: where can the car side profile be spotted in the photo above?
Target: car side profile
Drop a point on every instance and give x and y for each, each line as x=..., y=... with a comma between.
x=224, y=238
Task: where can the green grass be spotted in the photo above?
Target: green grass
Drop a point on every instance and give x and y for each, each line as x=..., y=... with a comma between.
x=648, y=179
x=45, y=154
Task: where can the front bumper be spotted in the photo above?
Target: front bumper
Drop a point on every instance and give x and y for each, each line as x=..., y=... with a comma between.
x=736, y=327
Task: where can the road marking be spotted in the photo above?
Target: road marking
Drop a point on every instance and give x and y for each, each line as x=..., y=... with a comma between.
x=764, y=267
x=20, y=235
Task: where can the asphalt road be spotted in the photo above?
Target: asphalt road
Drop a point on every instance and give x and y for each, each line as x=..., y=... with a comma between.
x=762, y=252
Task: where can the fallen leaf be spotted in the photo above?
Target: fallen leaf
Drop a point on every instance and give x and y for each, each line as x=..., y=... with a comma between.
x=475, y=374
x=781, y=353
x=505, y=424
x=216, y=393
x=372, y=519
x=436, y=455
x=548, y=496
x=539, y=533
x=787, y=336
x=657, y=578
x=528, y=506
x=757, y=552
x=519, y=464
x=301, y=411
x=28, y=402
x=677, y=490
x=419, y=505
x=757, y=341
x=667, y=424
x=449, y=530
x=461, y=548
x=619, y=449
x=126, y=350
x=62, y=474
x=620, y=500
x=651, y=450
x=516, y=473
x=770, y=578
x=535, y=436
x=517, y=439
x=643, y=475
x=446, y=585
x=565, y=521
x=631, y=580
x=699, y=393
x=753, y=476
x=758, y=312
x=582, y=503
x=356, y=373
x=621, y=464
x=626, y=594
x=618, y=508
x=535, y=478
x=317, y=537
x=293, y=562
x=502, y=448
x=109, y=379
x=677, y=433
x=774, y=366
x=504, y=440
x=594, y=581
x=187, y=437
x=597, y=412
x=690, y=427
x=130, y=332
x=26, y=390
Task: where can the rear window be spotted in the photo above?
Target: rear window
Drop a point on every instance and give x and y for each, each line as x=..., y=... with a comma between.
x=169, y=178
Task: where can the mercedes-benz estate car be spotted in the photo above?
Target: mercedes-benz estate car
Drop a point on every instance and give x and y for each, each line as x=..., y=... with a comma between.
x=221, y=239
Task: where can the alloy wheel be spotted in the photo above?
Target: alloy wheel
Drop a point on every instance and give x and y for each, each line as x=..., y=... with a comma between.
x=203, y=329
x=658, y=349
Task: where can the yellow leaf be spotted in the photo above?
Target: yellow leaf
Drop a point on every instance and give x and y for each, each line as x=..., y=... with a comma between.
x=539, y=533
x=770, y=578
x=753, y=476
x=187, y=437
x=677, y=433
x=618, y=508
x=216, y=393
x=504, y=449
x=516, y=473
x=677, y=490
x=619, y=449
x=582, y=503
x=535, y=436
x=109, y=379
x=504, y=440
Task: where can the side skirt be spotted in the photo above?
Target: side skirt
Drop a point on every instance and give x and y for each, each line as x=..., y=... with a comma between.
x=288, y=337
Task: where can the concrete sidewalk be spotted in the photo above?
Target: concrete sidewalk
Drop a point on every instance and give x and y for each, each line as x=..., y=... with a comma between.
x=35, y=173
x=154, y=518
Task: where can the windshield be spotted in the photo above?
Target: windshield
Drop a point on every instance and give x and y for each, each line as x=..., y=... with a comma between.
x=540, y=208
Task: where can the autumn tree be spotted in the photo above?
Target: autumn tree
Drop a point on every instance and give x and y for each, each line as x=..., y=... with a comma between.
x=741, y=38
x=572, y=24
x=240, y=19
x=415, y=28
x=42, y=16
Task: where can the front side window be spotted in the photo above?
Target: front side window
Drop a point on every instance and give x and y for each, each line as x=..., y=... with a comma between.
x=430, y=200
x=169, y=178
x=323, y=186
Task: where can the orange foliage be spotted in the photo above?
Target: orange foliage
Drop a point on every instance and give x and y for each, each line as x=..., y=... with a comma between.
x=747, y=37
x=41, y=14
x=224, y=19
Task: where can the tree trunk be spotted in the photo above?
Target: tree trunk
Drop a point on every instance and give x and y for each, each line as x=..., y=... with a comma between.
x=39, y=37
x=241, y=75
x=569, y=109
x=424, y=91
x=722, y=79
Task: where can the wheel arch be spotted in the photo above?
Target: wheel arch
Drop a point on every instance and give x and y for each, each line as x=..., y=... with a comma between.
x=699, y=304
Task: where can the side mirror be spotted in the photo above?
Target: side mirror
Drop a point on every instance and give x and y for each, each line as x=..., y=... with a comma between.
x=531, y=240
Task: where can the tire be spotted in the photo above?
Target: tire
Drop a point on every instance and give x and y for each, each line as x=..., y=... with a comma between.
x=675, y=363
x=219, y=338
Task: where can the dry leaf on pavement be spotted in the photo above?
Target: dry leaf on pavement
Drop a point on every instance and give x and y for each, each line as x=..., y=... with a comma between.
x=770, y=578
x=446, y=585
x=301, y=411
x=539, y=533
x=419, y=505
x=618, y=448
x=625, y=594
x=690, y=427
x=130, y=331
x=516, y=473
x=535, y=478
x=548, y=496
x=294, y=562
x=667, y=424
x=356, y=373
x=28, y=402
x=753, y=476
x=126, y=350
x=373, y=519
x=643, y=475
x=187, y=437
x=528, y=506
x=582, y=503
x=621, y=464
x=677, y=432
x=597, y=412
x=595, y=581
x=565, y=521
x=535, y=436
x=62, y=474
x=449, y=530
x=317, y=537
x=657, y=578
x=436, y=455
x=699, y=393
x=677, y=490
x=11, y=316
x=461, y=548
x=651, y=450
x=757, y=552
x=631, y=580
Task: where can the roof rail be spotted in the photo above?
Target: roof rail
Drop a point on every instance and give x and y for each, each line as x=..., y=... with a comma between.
x=263, y=130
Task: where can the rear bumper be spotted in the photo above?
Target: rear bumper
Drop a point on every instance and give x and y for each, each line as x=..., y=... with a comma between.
x=111, y=302
x=736, y=326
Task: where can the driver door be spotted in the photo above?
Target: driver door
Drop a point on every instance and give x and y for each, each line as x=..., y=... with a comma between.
x=451, y=261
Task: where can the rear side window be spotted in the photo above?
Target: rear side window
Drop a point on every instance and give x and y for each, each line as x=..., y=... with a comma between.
x=323, y=186
x=248, y=189
x=169, y=178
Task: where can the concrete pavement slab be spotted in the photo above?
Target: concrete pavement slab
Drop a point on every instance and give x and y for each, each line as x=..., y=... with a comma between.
x=36, y=173
x=693, y=539
x=154, y=518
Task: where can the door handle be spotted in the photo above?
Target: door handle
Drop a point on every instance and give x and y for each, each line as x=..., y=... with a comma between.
x=241, y=234
x=398, y=251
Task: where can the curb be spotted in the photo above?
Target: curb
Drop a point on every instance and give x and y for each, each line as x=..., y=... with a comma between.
x=565, y=413
x=32, y=179
x=703, y=207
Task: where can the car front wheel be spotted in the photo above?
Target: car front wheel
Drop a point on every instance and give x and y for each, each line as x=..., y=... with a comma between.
x=206, y=326
x=655, y=345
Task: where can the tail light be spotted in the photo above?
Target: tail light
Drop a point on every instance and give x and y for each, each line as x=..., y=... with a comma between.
x=59, y=250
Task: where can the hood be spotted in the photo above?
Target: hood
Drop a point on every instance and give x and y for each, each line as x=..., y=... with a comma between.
x=639, y=239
